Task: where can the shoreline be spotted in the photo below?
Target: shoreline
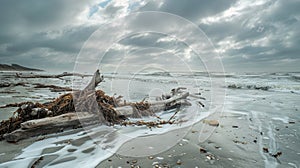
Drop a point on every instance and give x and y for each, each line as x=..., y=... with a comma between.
x=238, y=141
x=219, y=150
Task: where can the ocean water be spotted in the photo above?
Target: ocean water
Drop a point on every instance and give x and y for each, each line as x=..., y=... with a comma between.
x=269, y=102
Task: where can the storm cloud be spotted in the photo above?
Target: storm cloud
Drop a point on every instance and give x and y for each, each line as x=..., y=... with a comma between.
x=249, y=36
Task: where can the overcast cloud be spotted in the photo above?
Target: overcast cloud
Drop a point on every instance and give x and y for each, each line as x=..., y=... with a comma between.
x=249, y=35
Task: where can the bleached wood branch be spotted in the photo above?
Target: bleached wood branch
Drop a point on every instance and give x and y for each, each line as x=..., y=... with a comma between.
x=157, y=106
x=97, y=78
x=48, y=125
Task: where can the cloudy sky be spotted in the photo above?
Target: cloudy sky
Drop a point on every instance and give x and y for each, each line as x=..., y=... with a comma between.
x=261, y=35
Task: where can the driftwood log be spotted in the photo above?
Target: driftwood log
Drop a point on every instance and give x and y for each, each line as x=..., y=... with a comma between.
x=2, y=85
x=48, y=125
x=175, y=101
x=19, y=75
x=53, y=88
x=92, y=107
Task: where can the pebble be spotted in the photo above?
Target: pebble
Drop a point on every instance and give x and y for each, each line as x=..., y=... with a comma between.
x=210, y=157
x=218, y=147
x=266, y=150
x=155, y=163
x=214, y=123
x=159, y=158
x=185, y=140
x=182, y=154
x=178, y=162
x=202, y=150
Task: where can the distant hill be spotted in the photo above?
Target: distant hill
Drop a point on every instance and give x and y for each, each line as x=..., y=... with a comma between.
x=16, y=67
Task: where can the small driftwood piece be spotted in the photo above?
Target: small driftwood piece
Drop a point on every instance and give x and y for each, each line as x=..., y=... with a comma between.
x=6, y=84
x=155, y=106
x=97, y=78
x=51, y=76
x=53, y=88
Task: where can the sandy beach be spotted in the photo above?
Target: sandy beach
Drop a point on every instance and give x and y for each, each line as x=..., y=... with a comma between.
x=227, y=147
x=256, y=128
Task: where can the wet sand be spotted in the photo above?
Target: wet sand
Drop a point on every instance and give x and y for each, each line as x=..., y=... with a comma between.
x=236, y=142
x=226, y=147
x=251, y=122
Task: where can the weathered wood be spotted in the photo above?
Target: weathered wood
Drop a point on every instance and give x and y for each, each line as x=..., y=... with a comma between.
x=176, y=97
x=49, y=125
x=53, y=88
x=85, y=100
x=12, y=84
x=124, y=110
x=97, y=78
x=61, y=120
x=51, y=76
x=156, y=106
x=56, y=124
